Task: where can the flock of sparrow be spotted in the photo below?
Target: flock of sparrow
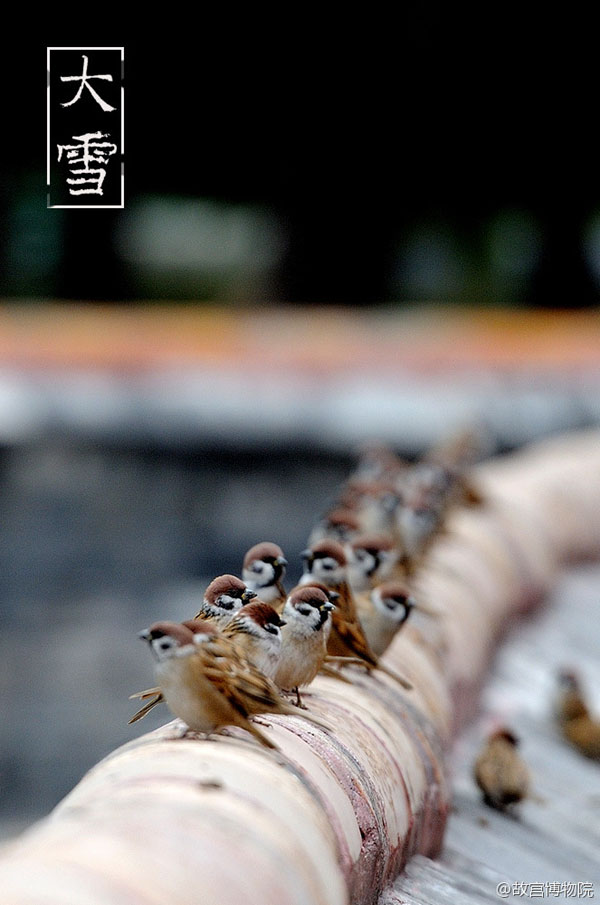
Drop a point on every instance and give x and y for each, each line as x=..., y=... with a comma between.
x=253, y=645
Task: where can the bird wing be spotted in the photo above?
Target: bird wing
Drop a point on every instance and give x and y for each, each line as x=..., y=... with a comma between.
x=243, y=685
x=348, y=636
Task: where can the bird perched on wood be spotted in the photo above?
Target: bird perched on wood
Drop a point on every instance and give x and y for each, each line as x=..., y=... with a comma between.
x=500, y=772
x=304, y=638
x=326, y=561
x=455, y=454
x=374, y=503
x=223, y=597
x=371, y=559
x=382, y=611
x=263, y=571
x=209, y=684
x=420, y=515
x=256, y=631
x=377, y=462
x=576, y=722
x=339, y=524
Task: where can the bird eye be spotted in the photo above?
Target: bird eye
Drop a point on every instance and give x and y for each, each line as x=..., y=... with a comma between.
x=305, y=609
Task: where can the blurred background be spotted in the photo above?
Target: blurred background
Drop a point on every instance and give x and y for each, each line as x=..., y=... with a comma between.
x=333, y=231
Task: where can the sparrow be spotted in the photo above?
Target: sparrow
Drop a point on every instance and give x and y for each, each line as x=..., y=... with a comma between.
x=305, y=632
x=576, y=722
x=338, y=524
x=263, y=571
x=373, y=501
x=455, y=454
x=326, y=561
x=371, y=559
x=209, y=684
x=223, y=597
x=421, y=513
x=256, y=632
x=500, y=772
x=382, y=611
x=377, y=462
x=332, y=595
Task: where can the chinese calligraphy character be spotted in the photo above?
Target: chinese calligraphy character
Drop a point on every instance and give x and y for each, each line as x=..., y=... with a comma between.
x=84, y=78
x=554, y=888
x=91, y=152
x=586, y=890
x=536, y=890
x=520, y=888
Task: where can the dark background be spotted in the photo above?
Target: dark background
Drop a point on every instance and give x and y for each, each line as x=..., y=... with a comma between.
x=432, y=139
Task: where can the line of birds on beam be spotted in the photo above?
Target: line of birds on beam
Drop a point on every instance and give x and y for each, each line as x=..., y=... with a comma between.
x=253, y=645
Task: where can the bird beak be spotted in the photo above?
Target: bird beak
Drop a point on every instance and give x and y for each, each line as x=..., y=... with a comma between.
x=248, y=595
x=144, y=634
x=282, y=622
x=281, y=561
x=328, y=607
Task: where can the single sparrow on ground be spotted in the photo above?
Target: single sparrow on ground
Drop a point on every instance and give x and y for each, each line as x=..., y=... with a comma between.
x=263, y=571
x=382, y=612
x=500, y=772
x=326, y=561
x=223, y=597
x=209, y=684
x=576, y=722
x=305, y=632
x=371, y=559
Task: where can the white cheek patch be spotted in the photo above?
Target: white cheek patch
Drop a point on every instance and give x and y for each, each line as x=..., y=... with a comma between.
x=229, y=603
x=267, y=573
x=327, y=569
x=202, y=638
